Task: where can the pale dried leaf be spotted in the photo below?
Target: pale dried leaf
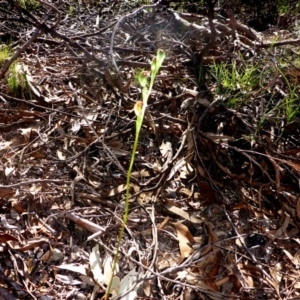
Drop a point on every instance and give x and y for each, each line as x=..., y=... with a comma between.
x=52, y=255
x=56, y=255
x=35, y=188
x=184, y=238
x=186, y=171
x=9, y=171
x=95, y=183
x=275, y=284
x=26, y=132
x=217, y=138
x=46, y=256
x=178, y=211
x=74, y=268
x=281, y=231
x=90, y=118
x=147, y=288
x=297, y=285
x=126, y=284
x=277, y=276
x=75, y=126
x=288, y=254
x=186, y=191
x=164, y=223
x=95, y=265
x=67, y=279
x=165, y=148
x=211, y=234
x=5, y=145
x=145, y=198
x=222, y=281
x=6, y=224
x=248, y=280
x=60, y=155
x=107, y=269
x=142, y=173
x=167, y=260
x=186, y=104
x=116, y=190
x=179, y=164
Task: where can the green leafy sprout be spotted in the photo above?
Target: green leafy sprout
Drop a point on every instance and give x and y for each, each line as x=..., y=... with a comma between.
x=29, y=4
x=15, y=79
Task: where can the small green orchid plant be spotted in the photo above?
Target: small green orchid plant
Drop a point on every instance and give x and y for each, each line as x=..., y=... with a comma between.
x=139, y=109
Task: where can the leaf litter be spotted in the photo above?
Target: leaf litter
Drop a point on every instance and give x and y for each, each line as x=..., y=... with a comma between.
x=214, y=207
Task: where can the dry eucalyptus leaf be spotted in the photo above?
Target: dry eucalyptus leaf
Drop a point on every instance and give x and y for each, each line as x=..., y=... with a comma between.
x=184, y=238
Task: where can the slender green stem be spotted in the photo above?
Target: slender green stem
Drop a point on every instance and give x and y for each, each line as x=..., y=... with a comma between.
x=126, y=212
x=140, y=109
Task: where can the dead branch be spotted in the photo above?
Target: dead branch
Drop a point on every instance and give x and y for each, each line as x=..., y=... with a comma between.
x=280, y=43
x=186, y=25
x=122, y=19
x=35, y=35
